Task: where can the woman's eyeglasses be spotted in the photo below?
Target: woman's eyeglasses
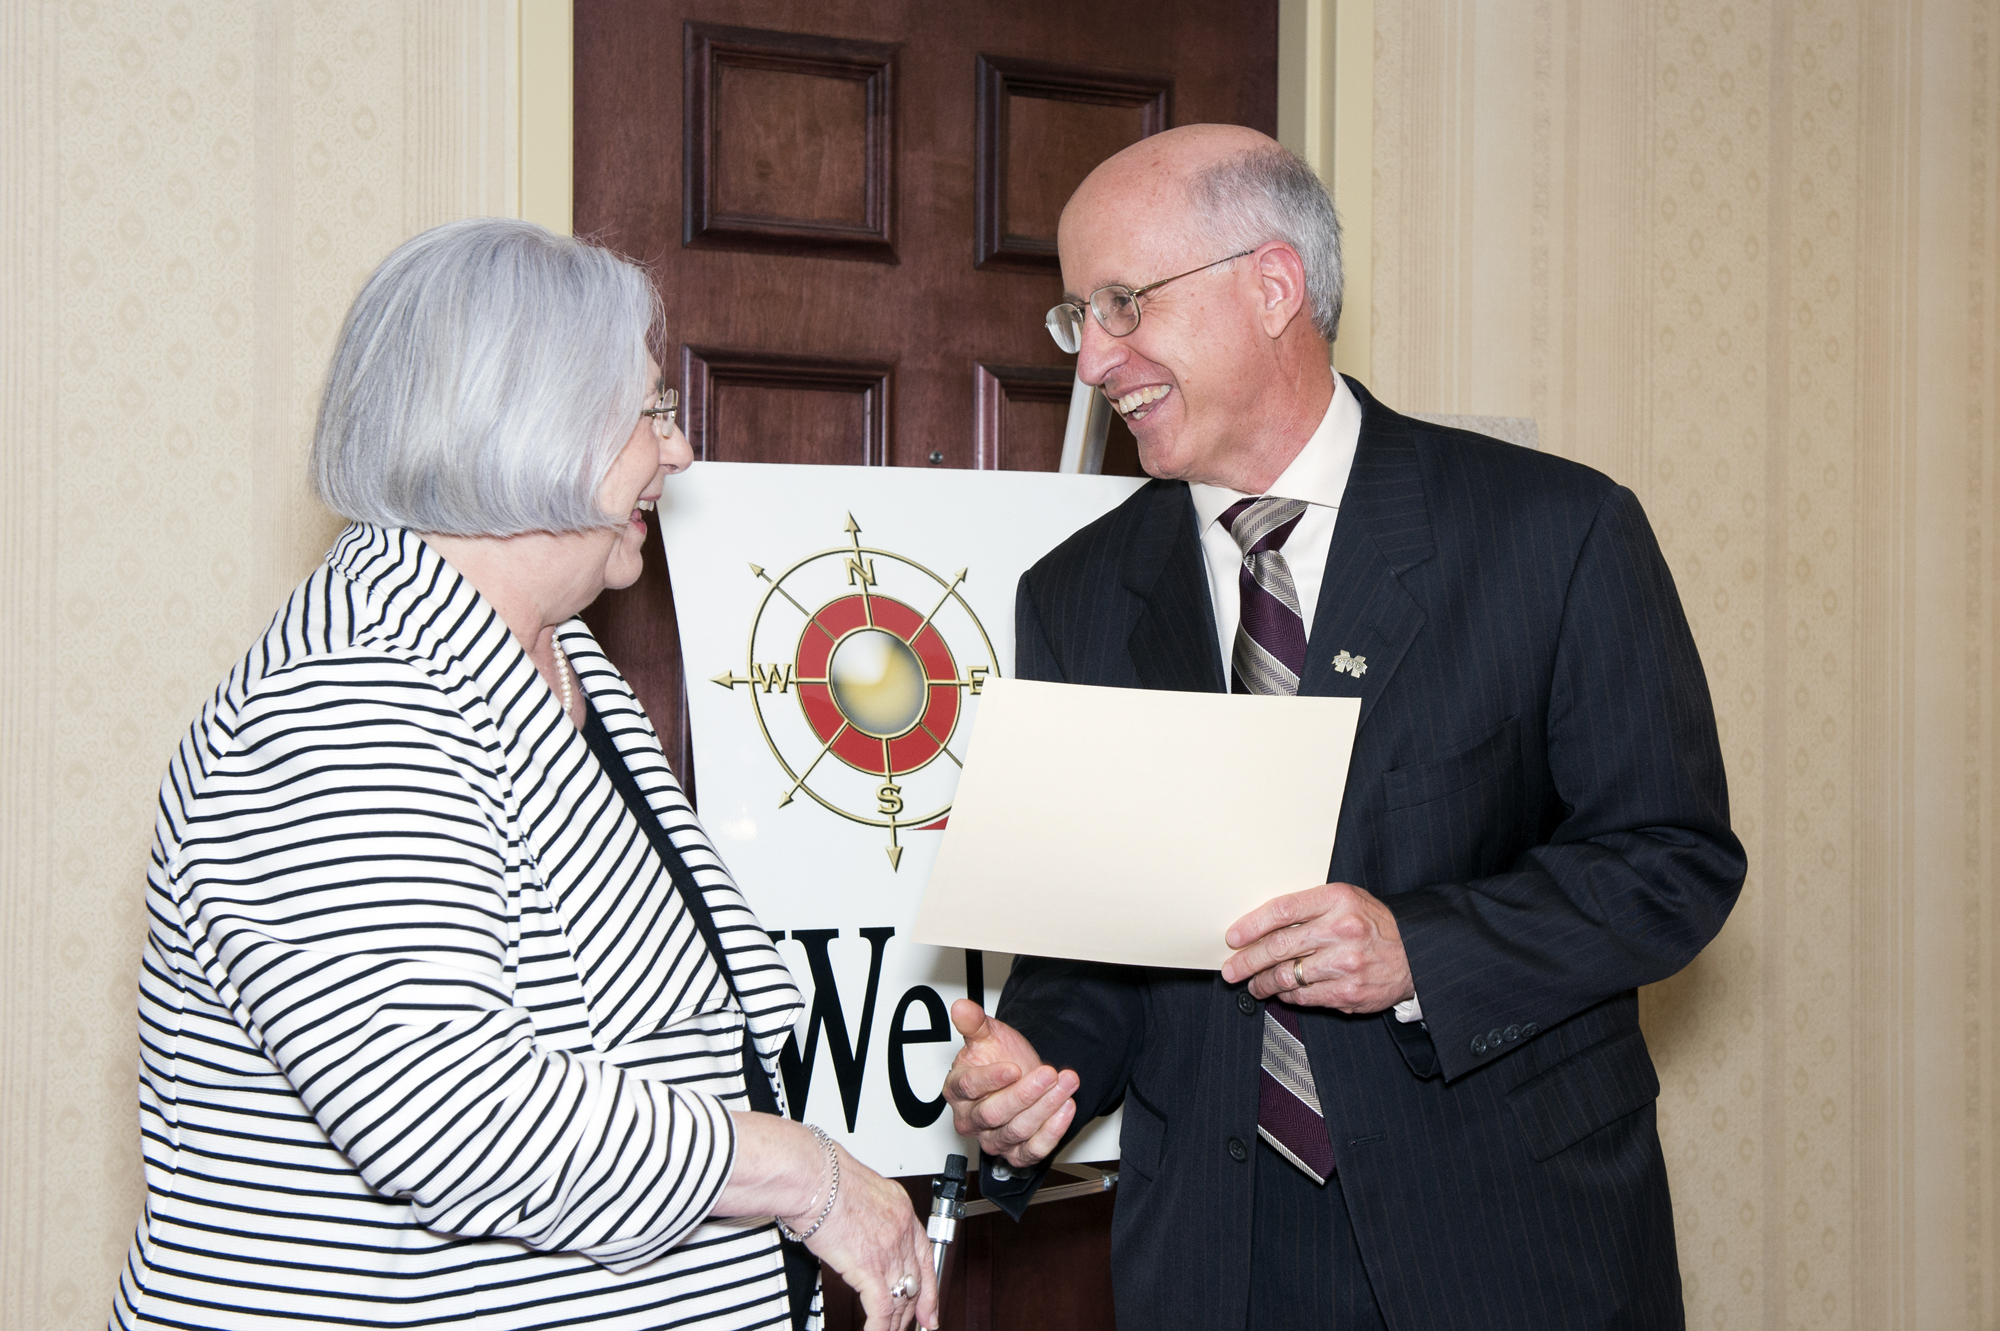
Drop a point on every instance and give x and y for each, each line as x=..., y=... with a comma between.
x=662, y=411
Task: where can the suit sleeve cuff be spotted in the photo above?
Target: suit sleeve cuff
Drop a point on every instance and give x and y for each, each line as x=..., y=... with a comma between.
x=1009, y=1188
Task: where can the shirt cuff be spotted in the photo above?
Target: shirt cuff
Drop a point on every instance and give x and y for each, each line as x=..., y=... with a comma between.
x=1409, y=1010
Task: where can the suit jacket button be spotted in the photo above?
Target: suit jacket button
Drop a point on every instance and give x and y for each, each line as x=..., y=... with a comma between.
x=1529, y=1030
x=1513, y=1033
x=1244, y=1003
x=1478, y=1044
x=1493, y=1038
x=1237, y=1150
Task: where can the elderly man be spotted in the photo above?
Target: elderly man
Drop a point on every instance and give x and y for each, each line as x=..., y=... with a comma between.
x=1417, y=1095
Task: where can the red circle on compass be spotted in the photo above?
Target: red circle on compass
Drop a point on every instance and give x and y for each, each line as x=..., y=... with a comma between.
x=878, y=757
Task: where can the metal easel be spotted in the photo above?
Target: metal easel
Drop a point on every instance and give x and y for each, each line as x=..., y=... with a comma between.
x=948, y=1204
x=1083, y=436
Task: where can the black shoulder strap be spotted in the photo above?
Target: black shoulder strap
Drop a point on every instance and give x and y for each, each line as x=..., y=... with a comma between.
x=801, y=1267
x=613, y=763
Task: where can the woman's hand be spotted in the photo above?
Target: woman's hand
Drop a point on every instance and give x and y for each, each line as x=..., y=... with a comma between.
x=872, y=1237
x=874, y=1240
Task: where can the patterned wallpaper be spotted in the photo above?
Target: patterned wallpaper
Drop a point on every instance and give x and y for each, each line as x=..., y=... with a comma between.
x=191, y=194
x=1741, y=257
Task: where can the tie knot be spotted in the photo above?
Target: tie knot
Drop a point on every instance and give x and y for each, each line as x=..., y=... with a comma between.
x=1262, y=524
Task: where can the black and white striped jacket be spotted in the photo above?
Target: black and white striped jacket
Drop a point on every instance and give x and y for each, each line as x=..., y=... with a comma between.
x=428, y=1038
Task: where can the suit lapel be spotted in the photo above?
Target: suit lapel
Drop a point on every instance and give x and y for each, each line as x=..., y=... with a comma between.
x=1383, y=530
x=1173, y=645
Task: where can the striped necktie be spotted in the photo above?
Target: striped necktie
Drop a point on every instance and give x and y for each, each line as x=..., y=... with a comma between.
x=1269, y=656
x=1270, y=635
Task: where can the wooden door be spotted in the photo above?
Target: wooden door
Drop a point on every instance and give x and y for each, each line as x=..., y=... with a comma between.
x=849, y=209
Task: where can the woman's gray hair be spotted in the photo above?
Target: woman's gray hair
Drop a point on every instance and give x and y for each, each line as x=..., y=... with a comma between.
x=486, y=377
x=1271, y=194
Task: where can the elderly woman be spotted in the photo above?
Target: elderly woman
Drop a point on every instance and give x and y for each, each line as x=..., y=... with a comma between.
x=451, y=1015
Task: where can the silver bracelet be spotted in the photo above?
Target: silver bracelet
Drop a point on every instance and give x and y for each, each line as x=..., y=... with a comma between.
x=832, y=1187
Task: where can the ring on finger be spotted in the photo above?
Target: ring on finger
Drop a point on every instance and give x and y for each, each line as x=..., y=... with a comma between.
x=906, y=1288
x=1298, y=972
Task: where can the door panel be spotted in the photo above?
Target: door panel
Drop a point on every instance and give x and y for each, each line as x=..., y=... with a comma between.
x=849, y=210
x=1021, y=410
x=791, y=144
x=1046, y=141
x=749, y=406
x=1020, y=414
x=788, y=142
x=1041, y=127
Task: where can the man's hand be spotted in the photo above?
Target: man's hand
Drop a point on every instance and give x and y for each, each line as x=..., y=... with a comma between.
x=1000, y=1092
x=1347, y=949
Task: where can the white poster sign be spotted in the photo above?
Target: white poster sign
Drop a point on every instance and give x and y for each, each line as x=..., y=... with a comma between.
x=837, y=627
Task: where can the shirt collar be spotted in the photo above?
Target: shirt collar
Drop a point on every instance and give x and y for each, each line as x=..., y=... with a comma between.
x=1318, y=475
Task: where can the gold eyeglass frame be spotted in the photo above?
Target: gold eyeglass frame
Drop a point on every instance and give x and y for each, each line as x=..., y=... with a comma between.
x=1057, y=323
x=663, y=412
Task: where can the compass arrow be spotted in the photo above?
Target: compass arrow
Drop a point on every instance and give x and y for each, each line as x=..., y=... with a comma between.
x=956, y=578
x=895, y=857
x=814, y=763
x=860, y=565
x=729, y=679
x=758, y=570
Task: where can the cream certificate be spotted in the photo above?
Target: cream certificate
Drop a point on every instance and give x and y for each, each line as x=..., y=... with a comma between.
x=1134, y=825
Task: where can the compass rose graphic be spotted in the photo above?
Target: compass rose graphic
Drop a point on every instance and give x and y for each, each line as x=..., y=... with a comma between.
x=876, y=679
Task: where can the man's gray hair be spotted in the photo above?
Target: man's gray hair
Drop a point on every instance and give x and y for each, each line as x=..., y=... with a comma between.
x=485, y=379
x=1271, y=194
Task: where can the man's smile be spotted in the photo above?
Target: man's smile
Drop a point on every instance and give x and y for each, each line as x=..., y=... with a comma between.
x=1136, y=404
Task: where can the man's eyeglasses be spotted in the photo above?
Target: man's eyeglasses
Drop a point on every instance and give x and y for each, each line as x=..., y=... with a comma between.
x=1115, y=307
x=662, y=411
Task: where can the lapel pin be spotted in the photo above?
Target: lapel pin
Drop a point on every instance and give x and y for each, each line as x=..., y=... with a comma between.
x=1348, y=663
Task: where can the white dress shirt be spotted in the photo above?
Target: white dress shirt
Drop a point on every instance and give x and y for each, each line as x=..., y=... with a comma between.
x=1317, y=476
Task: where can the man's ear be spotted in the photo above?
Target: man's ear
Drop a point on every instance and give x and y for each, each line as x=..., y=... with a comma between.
x=1281, y=287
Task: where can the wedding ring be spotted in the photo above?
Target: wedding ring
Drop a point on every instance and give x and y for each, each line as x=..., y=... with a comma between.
x=906, y=1288
x=1298, y=972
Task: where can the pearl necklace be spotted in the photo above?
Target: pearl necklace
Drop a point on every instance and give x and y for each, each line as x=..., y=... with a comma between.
x=562, y=675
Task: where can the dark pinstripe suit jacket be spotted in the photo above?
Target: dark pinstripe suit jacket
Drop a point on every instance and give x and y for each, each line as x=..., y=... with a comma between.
x=1536, y=791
